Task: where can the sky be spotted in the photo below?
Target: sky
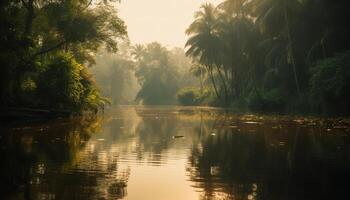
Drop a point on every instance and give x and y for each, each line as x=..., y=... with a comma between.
x=164, y=21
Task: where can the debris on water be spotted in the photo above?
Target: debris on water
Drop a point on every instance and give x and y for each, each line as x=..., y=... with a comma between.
x=339, y=127
x=251, y=122
x=178, y=136
x=250, y=197
x=101, y=139
x=254, y=187
x=212, y=134
x=312, y=124
x=299, y=121
x=214, y=170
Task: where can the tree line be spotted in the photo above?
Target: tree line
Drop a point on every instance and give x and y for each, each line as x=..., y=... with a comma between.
x=148, y=74
x=277, y=55
x=269, y=55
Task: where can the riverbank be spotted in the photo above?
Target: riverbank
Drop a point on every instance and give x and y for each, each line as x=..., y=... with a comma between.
x=31, y=114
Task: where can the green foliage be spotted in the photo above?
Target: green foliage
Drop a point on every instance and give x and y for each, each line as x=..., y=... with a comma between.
x=267, y=101
x=188, y=96
x=66, y=84
x=330, y=83
x=61, y=82
x=159, y=73
x=192, y=96
x=255, y=50
x=44, y=47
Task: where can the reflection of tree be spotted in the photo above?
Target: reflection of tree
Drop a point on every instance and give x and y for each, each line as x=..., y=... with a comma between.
x=260, y=162
x=231, y=157
x=37, y=162
x=155, y=134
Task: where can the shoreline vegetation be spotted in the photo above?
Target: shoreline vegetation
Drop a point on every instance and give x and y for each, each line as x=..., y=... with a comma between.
x=31, y=114
x=62, y=58
x=272, y=56
x=47, y=49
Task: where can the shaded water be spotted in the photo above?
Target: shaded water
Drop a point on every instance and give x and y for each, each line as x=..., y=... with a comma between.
x=176, y=153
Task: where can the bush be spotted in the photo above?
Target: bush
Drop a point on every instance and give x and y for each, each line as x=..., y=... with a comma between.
x=188, y=96
x=66, y=84
x=272, y=100
x=330, y=84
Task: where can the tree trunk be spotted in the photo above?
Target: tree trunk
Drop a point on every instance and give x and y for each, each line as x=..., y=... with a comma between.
x=201, y=81
x=290, y=47
x=224, y=84
x=233, y=78
x=28, y=26
x=213, y=82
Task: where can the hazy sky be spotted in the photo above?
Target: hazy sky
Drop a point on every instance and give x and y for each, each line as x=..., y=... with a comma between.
x=164, y=21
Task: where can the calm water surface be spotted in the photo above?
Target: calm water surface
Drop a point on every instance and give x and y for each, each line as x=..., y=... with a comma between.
x=165, y=153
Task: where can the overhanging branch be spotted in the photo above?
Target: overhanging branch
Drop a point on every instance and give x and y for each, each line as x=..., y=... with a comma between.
x=44, y=51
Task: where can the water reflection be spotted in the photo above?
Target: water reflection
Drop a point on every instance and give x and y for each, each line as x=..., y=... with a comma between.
x=271, y=159
x=131, y=153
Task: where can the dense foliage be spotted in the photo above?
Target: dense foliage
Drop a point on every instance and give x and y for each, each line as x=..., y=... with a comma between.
x=330, y=83
x=147, y=74
x=161, y=73
x=46, y=48
x=274, y=54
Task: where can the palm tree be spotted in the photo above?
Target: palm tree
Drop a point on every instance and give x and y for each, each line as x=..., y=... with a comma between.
x=138, y=51
x=237, y=32
x=235, y=8
x=273, y=18
x=203, y=41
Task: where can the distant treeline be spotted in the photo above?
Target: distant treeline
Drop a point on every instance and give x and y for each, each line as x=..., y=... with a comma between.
x=148, y=74
x=46, y=48
x=273, y=55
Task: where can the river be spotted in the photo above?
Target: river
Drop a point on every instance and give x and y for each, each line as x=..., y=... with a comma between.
x=176, y=153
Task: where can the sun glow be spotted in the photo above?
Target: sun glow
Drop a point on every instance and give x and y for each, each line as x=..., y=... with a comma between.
x=159, y=20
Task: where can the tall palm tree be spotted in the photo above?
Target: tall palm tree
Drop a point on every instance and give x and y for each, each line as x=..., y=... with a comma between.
x=234, y=7
x=203, y=41
x=236, y=32
x=273, y=18
x=138, y=51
